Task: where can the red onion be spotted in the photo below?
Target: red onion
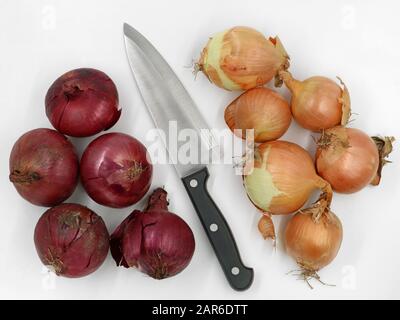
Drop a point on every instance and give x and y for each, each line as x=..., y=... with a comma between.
x=116, y=170
x=44, y=167
x=157, y=242
x=82, y=102
x=72, y=240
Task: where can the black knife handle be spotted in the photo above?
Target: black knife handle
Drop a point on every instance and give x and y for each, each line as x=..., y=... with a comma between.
x=239, y=276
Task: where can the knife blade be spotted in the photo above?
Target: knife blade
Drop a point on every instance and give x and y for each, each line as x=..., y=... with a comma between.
x=167, y=100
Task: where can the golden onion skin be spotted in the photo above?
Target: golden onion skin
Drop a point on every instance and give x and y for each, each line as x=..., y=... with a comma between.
x=282, y=179
x=347, y=158
x=313, y=243
x=318, y=103
x=261, y=109
x=242, y=58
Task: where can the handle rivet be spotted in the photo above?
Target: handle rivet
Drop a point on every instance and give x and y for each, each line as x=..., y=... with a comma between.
x=235, y=271
x=214, y=227
x=193, y=183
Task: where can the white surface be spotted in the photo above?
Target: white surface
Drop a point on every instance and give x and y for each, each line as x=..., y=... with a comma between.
x=358, y=40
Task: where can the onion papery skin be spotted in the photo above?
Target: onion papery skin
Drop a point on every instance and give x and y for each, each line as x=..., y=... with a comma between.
x=347, y=158
x=318, y=103
x=313, y=243
x=155, y=241
x=116, y=170
x=266, y=227
x=71, y=240
x=44, y=167
x=82, y=102
x=261, y=109
x=384, y=146
x=242, y=58
x=283, y=178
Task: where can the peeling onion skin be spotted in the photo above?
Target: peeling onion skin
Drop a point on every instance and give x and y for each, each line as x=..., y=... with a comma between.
x=116, y=170
x=242, y=58
x=71, y=240
x=347, y=158
x=156, y=241
x=384, y=146
x=283, y=178
x=318, y=103
x=314, y=244
x=266, y=227
x=261, y=109
x=44, y=167
x=82, y=102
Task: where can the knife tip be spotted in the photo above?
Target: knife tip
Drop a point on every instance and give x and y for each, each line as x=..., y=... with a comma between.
x=125, y=27
x=130, y=31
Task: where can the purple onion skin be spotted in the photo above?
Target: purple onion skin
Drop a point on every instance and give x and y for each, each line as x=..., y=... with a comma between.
x=72, y=240
x=82, y=102
x=116, y=170
x=156, y=241
x=44, y=167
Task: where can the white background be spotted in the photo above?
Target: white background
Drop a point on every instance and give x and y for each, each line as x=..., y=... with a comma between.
x=358, y=40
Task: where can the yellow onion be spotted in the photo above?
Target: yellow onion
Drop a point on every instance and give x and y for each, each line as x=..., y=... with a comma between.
x=261, y=109
x=282, y=178
x=313, y=238
x=242, y=58
x=318, y=103
x=348, y=159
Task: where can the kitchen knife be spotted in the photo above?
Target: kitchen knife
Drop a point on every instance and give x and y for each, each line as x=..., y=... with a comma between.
x=167, y=100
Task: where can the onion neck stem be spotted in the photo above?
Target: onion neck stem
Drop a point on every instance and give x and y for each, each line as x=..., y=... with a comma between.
x=291, y=83
x=327, y=192
x=384, y=146
x=158, y=200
